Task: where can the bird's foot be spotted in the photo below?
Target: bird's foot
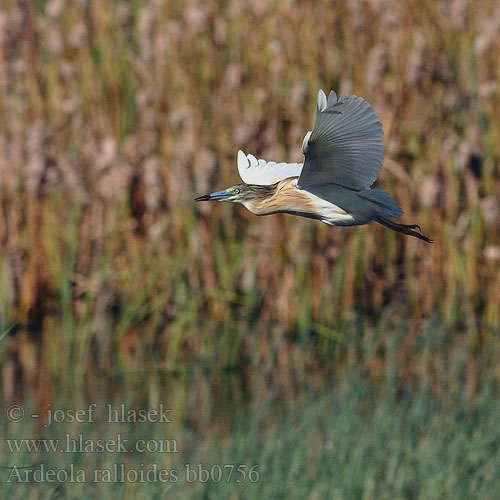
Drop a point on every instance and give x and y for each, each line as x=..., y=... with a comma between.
x=408, y=229
x=404, y=228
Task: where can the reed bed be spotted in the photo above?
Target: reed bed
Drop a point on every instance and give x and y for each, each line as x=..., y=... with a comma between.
x=113, y=281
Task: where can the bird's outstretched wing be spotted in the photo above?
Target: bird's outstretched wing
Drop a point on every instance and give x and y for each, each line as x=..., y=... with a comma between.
x=262, y=172
x=345, y=146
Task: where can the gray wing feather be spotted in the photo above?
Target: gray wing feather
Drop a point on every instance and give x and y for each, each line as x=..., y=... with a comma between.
x=345, y=146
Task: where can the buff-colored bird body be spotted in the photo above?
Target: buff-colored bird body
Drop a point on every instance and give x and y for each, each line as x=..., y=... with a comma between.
x=343, y=156
x=287, y=198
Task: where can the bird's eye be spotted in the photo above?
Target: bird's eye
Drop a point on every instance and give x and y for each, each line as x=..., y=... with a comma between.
x=237, y=191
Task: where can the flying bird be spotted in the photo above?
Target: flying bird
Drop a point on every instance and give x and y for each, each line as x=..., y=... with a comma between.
x=343, y=155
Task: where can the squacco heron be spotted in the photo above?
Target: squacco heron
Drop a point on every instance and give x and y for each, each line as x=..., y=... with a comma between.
x=343, y=155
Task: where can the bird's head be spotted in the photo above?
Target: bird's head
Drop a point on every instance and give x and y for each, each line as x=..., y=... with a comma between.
x=234, y=194
x=241, y=193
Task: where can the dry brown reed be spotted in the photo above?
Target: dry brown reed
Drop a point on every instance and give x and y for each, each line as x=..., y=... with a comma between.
x=116, y=114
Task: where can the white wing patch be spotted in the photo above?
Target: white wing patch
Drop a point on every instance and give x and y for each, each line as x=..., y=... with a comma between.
x=262, y=172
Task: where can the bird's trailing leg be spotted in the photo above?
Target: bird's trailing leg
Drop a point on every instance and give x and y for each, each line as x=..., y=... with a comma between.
x=404, y=228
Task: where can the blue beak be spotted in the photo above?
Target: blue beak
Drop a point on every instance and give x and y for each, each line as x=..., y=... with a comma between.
x=217, y=196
